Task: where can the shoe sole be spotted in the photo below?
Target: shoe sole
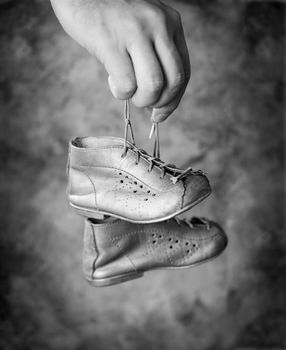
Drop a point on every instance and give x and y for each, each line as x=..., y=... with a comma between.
x=110, y=281
x=100, y=214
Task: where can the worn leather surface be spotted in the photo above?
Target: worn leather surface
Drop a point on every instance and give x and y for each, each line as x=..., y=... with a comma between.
x=101, y=179
x=120, y=247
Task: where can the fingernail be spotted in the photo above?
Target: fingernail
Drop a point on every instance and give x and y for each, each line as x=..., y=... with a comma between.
x=158, y=117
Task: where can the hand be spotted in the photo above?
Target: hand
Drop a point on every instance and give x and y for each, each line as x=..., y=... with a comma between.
x=141, y=44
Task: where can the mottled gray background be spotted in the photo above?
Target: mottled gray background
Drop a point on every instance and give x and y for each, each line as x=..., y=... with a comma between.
x=230, y=123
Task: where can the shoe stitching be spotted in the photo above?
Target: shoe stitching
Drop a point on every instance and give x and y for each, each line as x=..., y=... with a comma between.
x=204, y=238
x=93, y=186
x=116, y=243
x=146, y=252
x=167, y=233
x=183, y=173
x=150, y=252
x=118, y=237
x=164, y=246
x=169, y=258
x=151, y=249
x=82, y=167
x=163, y=190
x=68, y=162
x=91, y=149
x=170, y=254
x=183, y=194
x=194, y=250
x=128, y=257
x=186, y=256
x=95, y=202
x=150, y=246
x=96, y=249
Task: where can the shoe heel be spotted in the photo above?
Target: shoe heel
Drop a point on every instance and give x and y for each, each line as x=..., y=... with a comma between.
x=89, y=213
x=105, y=282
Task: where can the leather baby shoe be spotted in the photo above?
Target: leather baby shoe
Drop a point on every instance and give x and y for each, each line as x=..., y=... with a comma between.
x=111, y=176
x=119, y=251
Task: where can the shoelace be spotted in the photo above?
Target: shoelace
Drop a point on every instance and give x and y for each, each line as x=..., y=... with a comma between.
x=155, y=131
x=176, y=174
x=193, y=220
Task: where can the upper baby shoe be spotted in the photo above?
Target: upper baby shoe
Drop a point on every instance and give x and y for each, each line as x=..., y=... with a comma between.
x=111, y=176
x=119, y=251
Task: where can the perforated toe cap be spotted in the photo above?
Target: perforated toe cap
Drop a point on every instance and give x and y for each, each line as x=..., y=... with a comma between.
x=216, y=242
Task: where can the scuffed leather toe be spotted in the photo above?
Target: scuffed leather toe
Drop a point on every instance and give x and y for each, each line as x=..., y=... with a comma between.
x=197, y=187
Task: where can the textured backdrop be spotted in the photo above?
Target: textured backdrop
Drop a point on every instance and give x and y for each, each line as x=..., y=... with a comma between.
x=230, y=123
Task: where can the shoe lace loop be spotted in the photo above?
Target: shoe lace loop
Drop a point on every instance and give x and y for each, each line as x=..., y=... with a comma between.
x=155, y=130
x=176, y=174
x=128, y=128
x=194, y=220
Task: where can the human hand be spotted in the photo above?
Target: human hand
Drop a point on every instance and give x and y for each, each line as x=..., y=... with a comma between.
x=141, y=43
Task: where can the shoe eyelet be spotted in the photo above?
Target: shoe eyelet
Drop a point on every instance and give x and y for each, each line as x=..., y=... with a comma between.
x=135, y=191
x=176, y=241
x=146, y=199
x=171, y=247
x=121, y=181
x=170, y=239
x=135, y=182
x=120, y=173
x=154, y=242
x=160, y=236
x=148, y=191
x=188, y=251
x=141, y=186
x=187, y=243
x=194, y=245
x=153, y=235
x=153, y=194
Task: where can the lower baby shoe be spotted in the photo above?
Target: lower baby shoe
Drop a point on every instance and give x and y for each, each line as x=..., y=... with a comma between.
x=118, y=251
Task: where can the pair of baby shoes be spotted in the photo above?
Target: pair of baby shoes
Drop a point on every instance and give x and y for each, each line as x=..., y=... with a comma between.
x=130, y=200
